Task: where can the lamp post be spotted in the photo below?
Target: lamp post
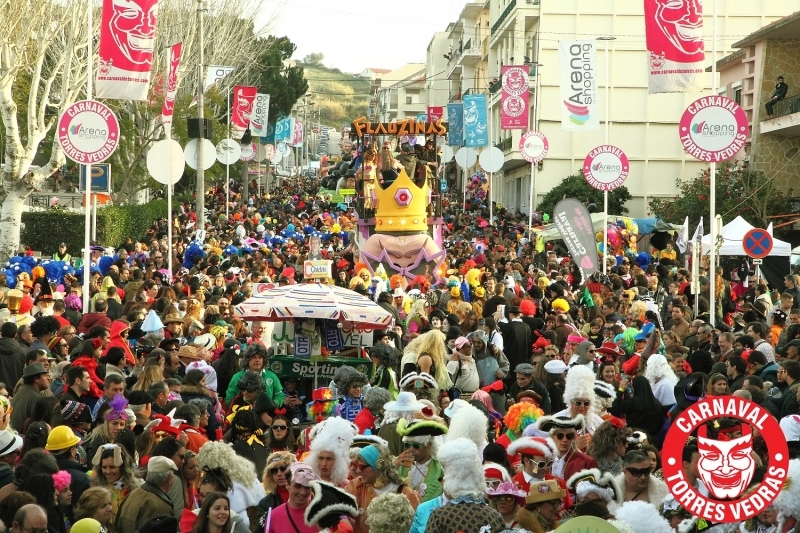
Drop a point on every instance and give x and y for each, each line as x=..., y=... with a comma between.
x=606, y=38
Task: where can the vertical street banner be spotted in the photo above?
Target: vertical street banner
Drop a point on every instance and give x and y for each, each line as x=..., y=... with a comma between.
x=514, y=98
x=577, y=65
x=435, y=113
x=297, y=134
x=455, y=124
x=676, y=51
x=214, y=74
x=476, y=125
x=260, y=116
x=127, y=39
x=268, y=137
x=242, y=101
x=284, y=129
x=168, y=108
x=575, y=225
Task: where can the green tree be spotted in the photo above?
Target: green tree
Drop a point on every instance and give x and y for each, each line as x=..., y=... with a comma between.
x=577, y=187
x=284, y=84
x=739, y=192
x=314, y=59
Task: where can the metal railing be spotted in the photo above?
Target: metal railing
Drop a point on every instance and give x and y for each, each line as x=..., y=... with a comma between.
x=505, y=144
x=43, y=200
x=787, y=106
x=507, y=11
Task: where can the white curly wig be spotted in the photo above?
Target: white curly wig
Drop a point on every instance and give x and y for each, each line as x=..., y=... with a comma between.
x=642, y=516
x=390, y=513
x=788, y=501
x=579, y=384
x=469, y=422
x=217, y=454
x=335, y=436
x=658, y=368
x=463, y=473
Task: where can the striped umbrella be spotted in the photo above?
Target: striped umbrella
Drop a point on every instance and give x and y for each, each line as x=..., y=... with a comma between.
x=313, y=300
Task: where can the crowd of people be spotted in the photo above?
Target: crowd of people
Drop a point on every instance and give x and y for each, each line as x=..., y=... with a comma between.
x=511, y=392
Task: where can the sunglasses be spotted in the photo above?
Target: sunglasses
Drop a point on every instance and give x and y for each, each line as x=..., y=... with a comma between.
x=591, y=351
x=579, y=403
x=543, y=464
x=415, y=445
x=504, y=499
x=275, y=470
x=280, y=428
x=562, y=436
x=638, y=472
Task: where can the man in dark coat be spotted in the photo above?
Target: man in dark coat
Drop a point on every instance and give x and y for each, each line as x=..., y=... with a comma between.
x=516, y=340
x=12, y=357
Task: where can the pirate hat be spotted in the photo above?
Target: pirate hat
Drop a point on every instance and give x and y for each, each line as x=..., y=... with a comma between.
x=549, y=423
x=533, y=446
x=593, y=480
x=328, y=499
x=420, y=428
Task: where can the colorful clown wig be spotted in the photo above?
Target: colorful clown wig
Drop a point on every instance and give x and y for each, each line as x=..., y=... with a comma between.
x=117, y=411
x=397, y=282
x=61, y=480
x=521, y=415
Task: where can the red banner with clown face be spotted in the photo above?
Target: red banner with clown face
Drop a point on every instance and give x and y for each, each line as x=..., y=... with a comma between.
x=674, y=30
x=172, y=87
x=514, y=101
x=127, y=39
x=243, y=98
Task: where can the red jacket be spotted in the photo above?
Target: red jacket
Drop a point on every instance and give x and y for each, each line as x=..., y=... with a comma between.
x=91, y=320
x=117, y=327
x=90, y=364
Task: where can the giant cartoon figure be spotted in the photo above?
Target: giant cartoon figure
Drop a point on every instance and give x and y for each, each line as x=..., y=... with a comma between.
x=401, y=237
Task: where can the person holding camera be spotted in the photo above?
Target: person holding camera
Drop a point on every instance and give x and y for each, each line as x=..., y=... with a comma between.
x=463, y=370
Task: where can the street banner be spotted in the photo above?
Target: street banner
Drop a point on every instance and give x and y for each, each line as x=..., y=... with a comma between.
x=242, y=102
x=168, y=108
x=214, y=74
x=297, y=134
x=268, y=137
x=260, y=116
x=674, y=32
x=476, y=126
x=127, y=39
x=577, y=65
x=284, y=129
x=455, y=119
x=435, y=113
x=514, y=98
x=575, y=225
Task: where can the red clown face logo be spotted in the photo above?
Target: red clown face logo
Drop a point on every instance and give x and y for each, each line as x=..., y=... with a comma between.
x=133, y=28
x=515, y=81
x=243, y=107
x=656, y=61
x=681, y=22
x=726, y=467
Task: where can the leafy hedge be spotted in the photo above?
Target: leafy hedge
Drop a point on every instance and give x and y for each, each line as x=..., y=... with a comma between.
x=44, y=230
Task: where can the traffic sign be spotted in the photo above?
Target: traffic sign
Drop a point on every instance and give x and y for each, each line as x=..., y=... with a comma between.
x=758, y=261
x=757, y=243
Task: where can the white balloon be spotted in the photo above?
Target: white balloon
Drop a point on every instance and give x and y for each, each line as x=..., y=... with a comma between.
x=209, y=154
x=466, y=157
x=492, y=159
x=228, y=151
x=165, y=161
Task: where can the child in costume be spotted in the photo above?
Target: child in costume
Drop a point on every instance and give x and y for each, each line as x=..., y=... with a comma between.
x=349, y=386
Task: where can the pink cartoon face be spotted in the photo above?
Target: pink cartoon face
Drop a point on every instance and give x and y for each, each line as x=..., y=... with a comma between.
x=726, y=467
x=133, y=27
x=174, y=61
x=243, y=107
x=515, y=80
x=681, y=22
x=656, y=61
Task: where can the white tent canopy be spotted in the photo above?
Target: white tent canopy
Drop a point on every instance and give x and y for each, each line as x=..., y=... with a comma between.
x=733, y=234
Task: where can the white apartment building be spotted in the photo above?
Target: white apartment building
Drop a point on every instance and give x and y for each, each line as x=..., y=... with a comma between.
x=504, y=32
x=402, y=93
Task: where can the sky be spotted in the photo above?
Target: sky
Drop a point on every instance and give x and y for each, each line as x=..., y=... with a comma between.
x=357, y=34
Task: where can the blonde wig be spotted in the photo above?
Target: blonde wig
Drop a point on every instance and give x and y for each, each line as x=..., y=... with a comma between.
x=433, y=343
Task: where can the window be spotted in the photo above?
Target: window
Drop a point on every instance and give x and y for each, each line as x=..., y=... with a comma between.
x=408, y=100
x=737, y=95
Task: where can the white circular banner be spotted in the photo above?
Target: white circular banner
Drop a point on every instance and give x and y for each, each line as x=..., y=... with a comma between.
x=447, y=153
x=533, y=146
x=606, y=167
x=466, y=157
x=209, y=154
x=491, y=159
x=88, y=132
x=165, y=161
x=283, y=149
x=269, y=151
x=276, y=157
x=713, y=129
x=228, y=151
x=248, y=152
x=261, y=153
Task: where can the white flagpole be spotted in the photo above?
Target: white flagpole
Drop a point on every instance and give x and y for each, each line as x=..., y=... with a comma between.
x=168, y=131
x=227, y=166
x=87, y=169
x=712, y=274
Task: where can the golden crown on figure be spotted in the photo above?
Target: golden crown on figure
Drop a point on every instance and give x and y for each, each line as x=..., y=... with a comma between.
x=402, y=206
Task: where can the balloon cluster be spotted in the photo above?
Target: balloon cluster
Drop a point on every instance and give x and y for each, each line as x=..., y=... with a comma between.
x=622, y=237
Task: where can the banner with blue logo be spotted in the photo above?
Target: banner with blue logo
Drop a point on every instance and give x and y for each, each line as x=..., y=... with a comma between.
x=270, y=137
x=455, y=124
x=284, y=129
x=476, y=125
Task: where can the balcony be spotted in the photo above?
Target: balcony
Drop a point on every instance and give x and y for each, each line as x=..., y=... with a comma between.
x=505, y=144
x=470, y=55
x=503, y=16
x=786, y=120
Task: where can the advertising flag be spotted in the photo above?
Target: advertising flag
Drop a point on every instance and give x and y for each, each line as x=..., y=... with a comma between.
x=260, y=116
x=455, y=120
x=514, y=98
x=577, y=65
x=476, y=130
x=214, y=74
x=674, y=32
x=297, y=134
x=242, y=101
x=284, y=129
x=435, y=113
x=127, y=39
x=683, y=237
x=575, y=225
x=172, y=87
x=268, y=137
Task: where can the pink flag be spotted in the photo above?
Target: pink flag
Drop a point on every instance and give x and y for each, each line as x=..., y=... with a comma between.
x=243, y=98
x=514, y=107
x=435, y=113
x=127, y=38
x=297, y=134
x=172, y=87
x=674, y=33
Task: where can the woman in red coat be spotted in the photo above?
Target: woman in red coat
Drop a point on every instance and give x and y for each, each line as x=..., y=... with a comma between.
x=88, y=358
x=119, y=339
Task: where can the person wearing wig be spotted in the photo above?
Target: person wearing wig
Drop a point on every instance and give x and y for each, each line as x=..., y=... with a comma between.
x=518, y=417
x=254, y=359
x=376, y=476
x=113, y=470
x=330, y=450
x=280, y=436
x=321, y=407
x=61, y=482
x=250, y=386
x=418, y=461
x=390, y=513
x=385, y=358
x=245, y=491
x=369, y=419
x=469, y=422
x=580, y=398
x=329, y=508
x=609, y=444
x=247, y=438
x=406, y=407
x=275, y=482
x=595, y=490
x=89, y=358
x=427, y=353
x=782, y=516
x=114, y=419
x=349, y=386
x=662, y=379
